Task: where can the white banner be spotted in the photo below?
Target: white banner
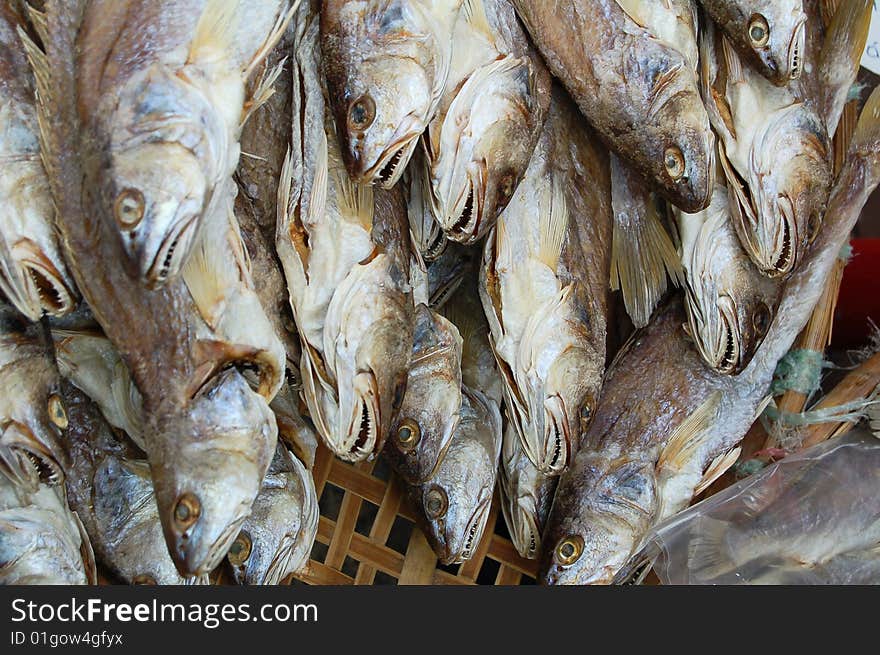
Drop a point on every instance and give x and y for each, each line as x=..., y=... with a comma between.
x=871, y=58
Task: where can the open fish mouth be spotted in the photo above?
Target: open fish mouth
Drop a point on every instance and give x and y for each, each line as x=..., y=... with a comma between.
x=727, y=357
x=216, y=552
x=472, y=536
x=463, y=227
x=557, y=445
x=32, y=458
x=527, y=537
x=796, y=51
x=436, y=247
x=389, y=169
x=362, y=434
x=785, y=249
x=56, y=299
x=169, y=258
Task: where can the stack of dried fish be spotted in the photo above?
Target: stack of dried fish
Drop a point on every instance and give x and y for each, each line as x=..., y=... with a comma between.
x=231, y=229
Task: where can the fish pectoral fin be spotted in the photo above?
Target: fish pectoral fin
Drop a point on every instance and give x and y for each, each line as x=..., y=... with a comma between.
x=688, y=436
x=867, y=134
x=264, y=90
x=214, y=35
x=85, y=550
x=717, y=468
x=474, y=12
x=642, y=252
x=139, y=468
x=554, y=225
x=841, y=57
x=633, y=9
x=732, y=62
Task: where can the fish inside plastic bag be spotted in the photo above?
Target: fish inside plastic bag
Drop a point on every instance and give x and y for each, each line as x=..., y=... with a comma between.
x=812, y=518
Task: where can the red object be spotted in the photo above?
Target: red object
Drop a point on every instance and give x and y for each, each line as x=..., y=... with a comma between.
x=859, y=298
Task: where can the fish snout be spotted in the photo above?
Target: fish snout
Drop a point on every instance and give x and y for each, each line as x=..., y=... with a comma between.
x=557, y=437
x=362, y=434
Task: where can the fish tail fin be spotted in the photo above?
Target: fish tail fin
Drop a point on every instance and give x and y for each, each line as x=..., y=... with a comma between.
x=281, y=23
x=554, y=225
x=215, y=31
x=708, y=558
x=642, y=252
x=841, y=56
x=264, y=90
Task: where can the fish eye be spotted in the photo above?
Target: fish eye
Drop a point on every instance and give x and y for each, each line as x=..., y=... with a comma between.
x=187, y=510
x=761, y=319
x=569, y=550
x=813, y=227
x=436, y=503
x=129, y=208
x=759, y=30
x=673, y=159
x=144, y=579
x=408, y=434
x=240, y=550
x=57, y=413
x=361, y=113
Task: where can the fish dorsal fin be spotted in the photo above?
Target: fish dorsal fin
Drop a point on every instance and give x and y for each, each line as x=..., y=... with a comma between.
x=841, y=57
x=632, y=8
x=717, y=468
x=264, y=90
x=732, y=62
x=320, y=182
x=214, y=36
x=688, y=435
x=553, y=225
x=474, y=12
x=642, y=252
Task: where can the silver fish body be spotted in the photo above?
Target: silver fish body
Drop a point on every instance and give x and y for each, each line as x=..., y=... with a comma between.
x=346, y=258
x=493, y=108
x=640, y=93
x=32, y=413
x=429, y=414
x=386, y=63
x=41, y=541
x=771, y=34
x=169, y=113
x=33, y=273
x=277, y=538
x=667, y=421
x=730, y=304
x=453, y=506
x=544, y=284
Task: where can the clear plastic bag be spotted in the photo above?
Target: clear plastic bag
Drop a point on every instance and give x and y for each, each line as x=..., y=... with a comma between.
x=812, y=518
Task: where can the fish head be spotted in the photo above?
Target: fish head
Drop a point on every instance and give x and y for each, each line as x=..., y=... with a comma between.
x=486, y=143
x=380, y=69
x=569, y=400
x=377, y=388
x=167, y=150
x=775, y=31
x=683, y=160
x=730, y=305
x=275, y=540
x=45, y=279
x=206, y=485
x=522, y=505
x=35, y=456
x=456, y=502
x=791, y=180
x=597, y=522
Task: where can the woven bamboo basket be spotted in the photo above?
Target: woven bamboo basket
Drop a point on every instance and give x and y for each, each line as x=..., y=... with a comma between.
x=373, y=539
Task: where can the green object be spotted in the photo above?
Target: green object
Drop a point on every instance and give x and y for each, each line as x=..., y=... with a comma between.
x=800, y=371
